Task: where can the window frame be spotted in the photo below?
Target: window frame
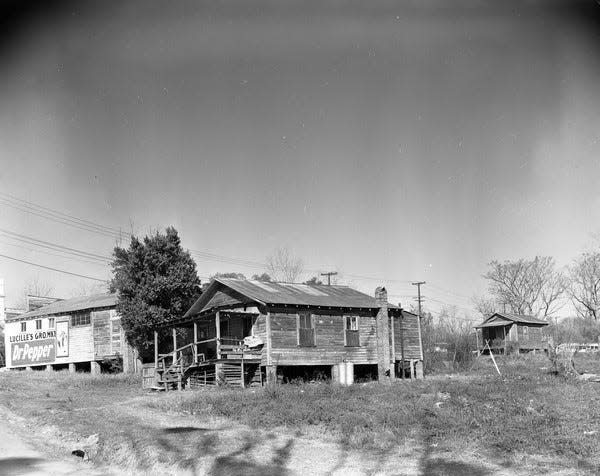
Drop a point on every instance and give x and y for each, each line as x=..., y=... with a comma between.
x=38, y=324
x=81, y=319
x=351, y=321
x=51, y=323
x=299, y=317
x=23, y=326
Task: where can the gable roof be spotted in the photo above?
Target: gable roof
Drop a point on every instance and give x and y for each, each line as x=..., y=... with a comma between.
x=80, y=303
x=505, y=318
x=272, y=294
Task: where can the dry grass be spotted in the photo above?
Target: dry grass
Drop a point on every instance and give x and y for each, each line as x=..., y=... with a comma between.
x=525, y=414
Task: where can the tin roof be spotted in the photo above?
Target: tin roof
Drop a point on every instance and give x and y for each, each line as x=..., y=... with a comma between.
x=289, y=294
x=508, y=318
x=71, y=305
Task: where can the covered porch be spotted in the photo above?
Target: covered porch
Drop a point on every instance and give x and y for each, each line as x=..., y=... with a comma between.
x=217, y=348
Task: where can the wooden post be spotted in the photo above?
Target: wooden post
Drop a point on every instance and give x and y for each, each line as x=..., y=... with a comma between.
x=174, y=345
x=155, y=351
x=410, y=366
x=402, y=342
x=195, y=345
x=477, y=342
x=218, y=333
x=270, y=369
x=242, y=370
x=393, y=334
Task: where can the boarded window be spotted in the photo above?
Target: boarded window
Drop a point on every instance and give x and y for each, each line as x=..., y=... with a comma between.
x=306, y=330
x=50, y=323
x=23, y=326
x=351, y=333
x=80, y=319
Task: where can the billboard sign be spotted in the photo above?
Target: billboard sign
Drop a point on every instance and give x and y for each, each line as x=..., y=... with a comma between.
x=33, y=348
x=62, y=339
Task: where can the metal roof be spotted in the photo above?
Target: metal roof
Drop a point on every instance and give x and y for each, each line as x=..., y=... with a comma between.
x=510, y=318
x=71, y=305
x=290, y=294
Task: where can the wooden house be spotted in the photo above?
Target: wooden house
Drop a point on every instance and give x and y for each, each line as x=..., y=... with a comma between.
x=78, y=334
x=243, y=333
x=502, y=332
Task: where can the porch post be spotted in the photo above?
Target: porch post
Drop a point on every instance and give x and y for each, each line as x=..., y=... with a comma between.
x=155, y=350
x=195, y=345
x=218, y=333
x=393, y=335
x=477, y=341
x=270, y=369
x=174, y=345
x=401, y=323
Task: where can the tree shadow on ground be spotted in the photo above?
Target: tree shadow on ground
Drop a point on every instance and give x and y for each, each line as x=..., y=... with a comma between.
x=445, y=467
x=18, y=465
x=241, y=463
x=432, y=465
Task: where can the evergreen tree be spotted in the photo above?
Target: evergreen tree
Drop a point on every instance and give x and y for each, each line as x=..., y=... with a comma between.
x=156, y=282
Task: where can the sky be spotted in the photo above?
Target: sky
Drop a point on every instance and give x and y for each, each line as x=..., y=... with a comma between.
x=391, y=142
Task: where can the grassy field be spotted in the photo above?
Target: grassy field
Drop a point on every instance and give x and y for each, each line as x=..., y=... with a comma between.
x=526, y=421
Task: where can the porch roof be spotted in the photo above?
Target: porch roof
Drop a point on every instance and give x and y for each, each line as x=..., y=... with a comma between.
x=504, y=319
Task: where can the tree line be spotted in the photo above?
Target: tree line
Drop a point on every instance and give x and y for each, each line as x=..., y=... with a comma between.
x=536, y=287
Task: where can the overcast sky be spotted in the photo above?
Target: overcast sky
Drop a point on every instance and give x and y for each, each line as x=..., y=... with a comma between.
x=394, y=141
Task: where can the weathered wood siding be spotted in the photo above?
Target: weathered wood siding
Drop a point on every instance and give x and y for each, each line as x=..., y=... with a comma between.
x=531, y=337
x=406, y=332
x=329, y=346
x=102, y=334
x=223, y=298
x=109, y=338
x=259, y=327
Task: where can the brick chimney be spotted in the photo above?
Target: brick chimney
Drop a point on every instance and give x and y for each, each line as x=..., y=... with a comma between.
x=382, y=326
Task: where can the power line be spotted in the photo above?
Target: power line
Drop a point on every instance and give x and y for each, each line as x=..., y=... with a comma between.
x=117, y=234
x=54, y=246
x=81, y=260
x=55, y=215
x=53, y=269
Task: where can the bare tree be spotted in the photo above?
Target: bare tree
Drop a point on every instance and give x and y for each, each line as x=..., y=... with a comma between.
x=283, y=266
x=485, y=306
x=38, y=287
x=585, y=284
x=529, y=287
x=87, y=289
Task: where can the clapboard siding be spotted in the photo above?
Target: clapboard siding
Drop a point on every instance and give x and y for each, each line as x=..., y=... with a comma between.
x=406, y=333
x=329, y=346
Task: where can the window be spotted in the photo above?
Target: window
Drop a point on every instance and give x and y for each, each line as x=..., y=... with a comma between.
x=50, y=323
x=23, y=326
x=306, y=330
x=38, y=324
x=81, y=319
x=351, y=333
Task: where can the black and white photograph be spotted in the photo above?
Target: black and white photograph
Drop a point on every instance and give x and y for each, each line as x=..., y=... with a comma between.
x=297, y=237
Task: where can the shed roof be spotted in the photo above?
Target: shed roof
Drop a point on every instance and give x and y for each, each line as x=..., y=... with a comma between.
x=289, y=294
x=80, y=303
x=504, y=319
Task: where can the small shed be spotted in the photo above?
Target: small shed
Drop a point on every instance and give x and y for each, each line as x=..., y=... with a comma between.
x=502, y=331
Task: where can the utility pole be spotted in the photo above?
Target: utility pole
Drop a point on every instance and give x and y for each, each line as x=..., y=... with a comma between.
x=329, y=275
x=419, y=301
